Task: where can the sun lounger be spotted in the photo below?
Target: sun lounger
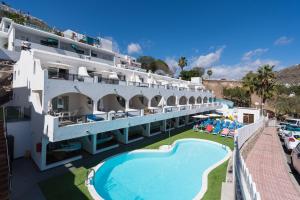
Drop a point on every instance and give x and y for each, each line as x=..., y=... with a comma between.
x=209, y=128
x=92, y=118
x=224, y=132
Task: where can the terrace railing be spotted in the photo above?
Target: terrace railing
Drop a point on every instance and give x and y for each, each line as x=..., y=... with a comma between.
x=98, y=78
x=65, y=120
x=244, y=184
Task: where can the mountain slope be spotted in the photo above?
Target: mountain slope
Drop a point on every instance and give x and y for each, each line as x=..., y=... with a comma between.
x=290, y=75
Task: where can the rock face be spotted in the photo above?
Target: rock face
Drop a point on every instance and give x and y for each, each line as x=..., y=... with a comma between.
x=5, y=80
x=218, y=85
x=290, y=75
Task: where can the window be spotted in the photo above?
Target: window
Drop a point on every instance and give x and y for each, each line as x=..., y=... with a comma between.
x=248, y=118
x=60, y=104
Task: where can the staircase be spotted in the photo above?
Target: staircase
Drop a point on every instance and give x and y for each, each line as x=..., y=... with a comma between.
x=4, y=165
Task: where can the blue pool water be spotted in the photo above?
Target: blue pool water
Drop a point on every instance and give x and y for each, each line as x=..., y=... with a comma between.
x=155, y=175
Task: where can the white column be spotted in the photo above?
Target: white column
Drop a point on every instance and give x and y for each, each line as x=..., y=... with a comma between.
x=126, y=104
x=164, y=125
x=94, y=143
x=126, y=130
x=187, y=119
x=176, y=100
x=95, y=109
x=44, y=153
x=146, y=130
x=177, y=122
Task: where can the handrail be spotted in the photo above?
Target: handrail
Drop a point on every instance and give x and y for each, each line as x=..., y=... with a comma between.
x=7, y=154
x=90, y=179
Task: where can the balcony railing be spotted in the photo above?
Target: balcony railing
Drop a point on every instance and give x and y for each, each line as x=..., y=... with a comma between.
x=66, y=127
x=98, y=78
x=65, y=118
x=18, y=44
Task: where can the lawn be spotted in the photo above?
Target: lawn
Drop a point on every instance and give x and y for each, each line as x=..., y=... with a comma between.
x=71, y=184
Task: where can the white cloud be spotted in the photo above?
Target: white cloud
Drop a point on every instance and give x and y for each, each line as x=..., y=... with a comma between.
x=172, y=63
x=256, y=52
x=284, y=40
x=208, y=59
x=238, y=70
x=134, y=48
x=250, y=61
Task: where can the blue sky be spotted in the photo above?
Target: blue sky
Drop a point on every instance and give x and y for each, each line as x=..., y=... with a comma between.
x=229, y=36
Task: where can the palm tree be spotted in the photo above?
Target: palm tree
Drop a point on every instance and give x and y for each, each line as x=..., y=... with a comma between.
x=209, y=73
x=182, y=62
x=249, y=83
x=265, y=83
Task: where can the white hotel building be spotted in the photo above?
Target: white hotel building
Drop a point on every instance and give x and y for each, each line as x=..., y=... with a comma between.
x=73, y=93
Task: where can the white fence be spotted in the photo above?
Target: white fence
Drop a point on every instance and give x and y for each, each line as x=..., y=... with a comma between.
x=244, y=183
x=247, y=131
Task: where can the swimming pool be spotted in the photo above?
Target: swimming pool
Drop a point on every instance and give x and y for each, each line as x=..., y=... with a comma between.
x=176, y=173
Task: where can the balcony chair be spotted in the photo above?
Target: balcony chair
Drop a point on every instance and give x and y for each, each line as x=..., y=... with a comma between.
x=93, y=118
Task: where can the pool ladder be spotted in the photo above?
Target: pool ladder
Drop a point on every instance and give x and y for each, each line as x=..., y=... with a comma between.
x=90, y=180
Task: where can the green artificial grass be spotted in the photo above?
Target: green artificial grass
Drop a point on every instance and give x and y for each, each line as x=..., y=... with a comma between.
x=71, y=185
x=215, y=179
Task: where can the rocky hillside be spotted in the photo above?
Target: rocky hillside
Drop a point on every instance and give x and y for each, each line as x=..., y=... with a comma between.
x=290, y=75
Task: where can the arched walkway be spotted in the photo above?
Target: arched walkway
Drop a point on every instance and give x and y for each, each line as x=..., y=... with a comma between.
x=138, y=102
x=199, y=100
x=72, y=103
x=192, y=100
x=156, y=101
x=171, y=101
x=183, y=100
x=111, y=102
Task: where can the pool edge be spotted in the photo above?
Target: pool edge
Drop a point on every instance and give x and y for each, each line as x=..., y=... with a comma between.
x=94, y=194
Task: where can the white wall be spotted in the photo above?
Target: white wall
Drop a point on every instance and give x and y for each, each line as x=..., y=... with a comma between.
x=96, y=91
x=241, y=111
x=22, y=137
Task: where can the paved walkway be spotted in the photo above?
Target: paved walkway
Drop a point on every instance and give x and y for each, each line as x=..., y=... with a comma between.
x=267, y=164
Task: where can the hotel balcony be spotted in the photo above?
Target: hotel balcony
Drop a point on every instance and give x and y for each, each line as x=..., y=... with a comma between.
x=67, y=126
x=98, y=78
x=84, y=54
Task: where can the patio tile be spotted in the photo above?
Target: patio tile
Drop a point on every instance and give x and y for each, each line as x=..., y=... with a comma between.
x=266, y=165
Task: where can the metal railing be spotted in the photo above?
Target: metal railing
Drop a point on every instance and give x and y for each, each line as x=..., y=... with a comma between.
x=77, y=119
x=242, y=177
x=97, y=78
x=9, y=175
x=65, y=118
x=138, y=84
